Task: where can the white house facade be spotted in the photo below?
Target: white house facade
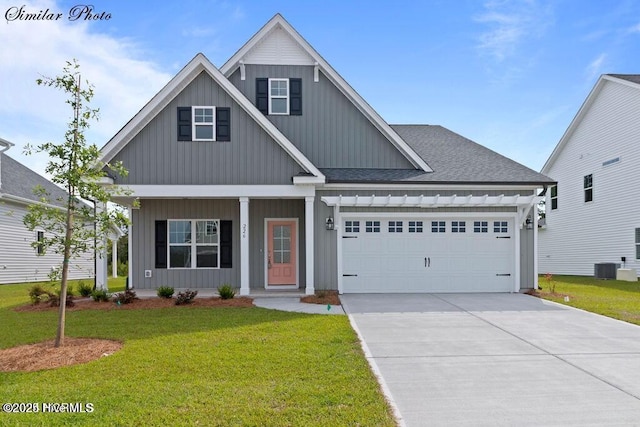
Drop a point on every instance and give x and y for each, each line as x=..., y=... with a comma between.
x=593, y=214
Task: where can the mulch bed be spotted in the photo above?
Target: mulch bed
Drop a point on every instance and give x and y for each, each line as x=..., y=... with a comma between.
x=142, y=303
x=323, y=297
x=43, y=355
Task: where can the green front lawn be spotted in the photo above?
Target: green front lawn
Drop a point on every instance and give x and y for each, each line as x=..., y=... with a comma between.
x=197, y=366
x=620, y=300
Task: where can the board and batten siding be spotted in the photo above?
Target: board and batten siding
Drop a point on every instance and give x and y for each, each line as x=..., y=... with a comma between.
x=143, y=235
x=155, y=156
x=331, y=132
x=222, y=209
x=326, y=241
x=579, y=234
x=19, y=261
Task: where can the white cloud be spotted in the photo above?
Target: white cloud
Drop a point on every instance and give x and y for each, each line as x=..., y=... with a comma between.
x=635, y=28
x=595, y=67
x=509, y=24
x=31, y=114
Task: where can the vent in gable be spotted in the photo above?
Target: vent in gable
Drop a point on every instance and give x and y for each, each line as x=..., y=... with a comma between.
x=278, y=48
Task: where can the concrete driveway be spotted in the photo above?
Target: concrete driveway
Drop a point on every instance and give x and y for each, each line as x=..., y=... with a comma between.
x=499, y=359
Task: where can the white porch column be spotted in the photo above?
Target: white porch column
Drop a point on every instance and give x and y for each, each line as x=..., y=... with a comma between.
x=309, y=245
x=101, y=256
x=114, y=257
x=130, y=249
x=244, y=246
x=534, y=215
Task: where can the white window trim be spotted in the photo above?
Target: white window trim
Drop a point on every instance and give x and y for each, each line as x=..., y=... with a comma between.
x=193, y=244
x=271, y=97
x=194, y=124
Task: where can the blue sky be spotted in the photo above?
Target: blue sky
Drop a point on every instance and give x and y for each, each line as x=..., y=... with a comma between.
x=510, y=75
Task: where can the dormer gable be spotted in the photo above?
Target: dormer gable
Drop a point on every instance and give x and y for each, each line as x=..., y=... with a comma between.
x=278, y=33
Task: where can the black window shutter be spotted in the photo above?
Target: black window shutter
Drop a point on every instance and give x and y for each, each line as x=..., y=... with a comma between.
x=295, y=97
x=161, y=244
x=184, y=123
x=262, y=95
x=226, y=238
x=223, y=124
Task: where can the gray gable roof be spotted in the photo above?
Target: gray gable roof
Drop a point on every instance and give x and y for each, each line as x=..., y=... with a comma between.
x=453, y=158
x=634, y=78
x=18, y=180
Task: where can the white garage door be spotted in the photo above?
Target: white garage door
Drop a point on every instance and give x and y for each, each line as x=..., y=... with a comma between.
x=428, y=254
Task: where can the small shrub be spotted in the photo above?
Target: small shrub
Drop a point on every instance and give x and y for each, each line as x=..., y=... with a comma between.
x=185, y=297
x=54, y=299
x=84, y=289
x=550, y=282
x=38, y=294
x=165, y=292
x=125, y=297
x=99, y=295
x=226, y=291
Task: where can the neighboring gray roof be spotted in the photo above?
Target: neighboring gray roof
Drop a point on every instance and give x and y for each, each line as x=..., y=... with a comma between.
x=635, y=78
x=18, y=180
x=453, y=158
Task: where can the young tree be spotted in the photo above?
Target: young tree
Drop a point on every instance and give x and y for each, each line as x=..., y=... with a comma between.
x=72, y=224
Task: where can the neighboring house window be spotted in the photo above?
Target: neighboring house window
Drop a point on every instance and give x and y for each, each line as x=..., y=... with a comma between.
x=458, y=226
x=500, y=227
x=372, y=227
x=480, y=226
x=395, y=226
x=279, y=96
x=554, y=197
x=204, y=123
x=415, y=226
x=40, y=240
x=588, y=188
x=187, y=252
x=352, y=226
x=438, y=227
x=637, y=243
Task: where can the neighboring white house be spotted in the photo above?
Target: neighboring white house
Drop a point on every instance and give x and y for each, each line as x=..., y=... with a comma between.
x=19, y=261
x=593, y=214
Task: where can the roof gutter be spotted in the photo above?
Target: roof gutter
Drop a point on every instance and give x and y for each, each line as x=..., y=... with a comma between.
x=4, y=146
x=25, y=201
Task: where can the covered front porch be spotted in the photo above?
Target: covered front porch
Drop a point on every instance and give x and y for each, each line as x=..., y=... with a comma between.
x=272, y=237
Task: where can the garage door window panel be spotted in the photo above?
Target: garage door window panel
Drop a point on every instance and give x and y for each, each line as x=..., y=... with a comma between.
x=352, y=226
x=395, y=226
x=480, y=226
x=458, y=226
x=372, y=227
x=500, y=227
x=438, y=227
x=415, y=226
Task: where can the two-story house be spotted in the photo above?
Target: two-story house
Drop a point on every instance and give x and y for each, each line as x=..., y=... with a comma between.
x=592, y=213
x=273, y=173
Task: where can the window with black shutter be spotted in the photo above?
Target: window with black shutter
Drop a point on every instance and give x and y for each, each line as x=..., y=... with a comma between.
x=204, y=123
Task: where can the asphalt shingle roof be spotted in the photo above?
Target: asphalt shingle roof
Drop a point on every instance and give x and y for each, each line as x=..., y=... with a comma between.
x=18, y=180
x=453, y=158
x=635, y=78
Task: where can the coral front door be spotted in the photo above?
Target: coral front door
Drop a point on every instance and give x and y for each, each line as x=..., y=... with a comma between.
x=281, y=253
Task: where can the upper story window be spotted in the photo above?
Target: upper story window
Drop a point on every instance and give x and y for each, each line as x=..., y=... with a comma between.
x=204, y=123
x=588, y=188
x=279, y=96
x=554, y=197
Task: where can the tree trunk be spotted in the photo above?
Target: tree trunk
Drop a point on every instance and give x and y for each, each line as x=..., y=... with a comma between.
x=65, y=277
